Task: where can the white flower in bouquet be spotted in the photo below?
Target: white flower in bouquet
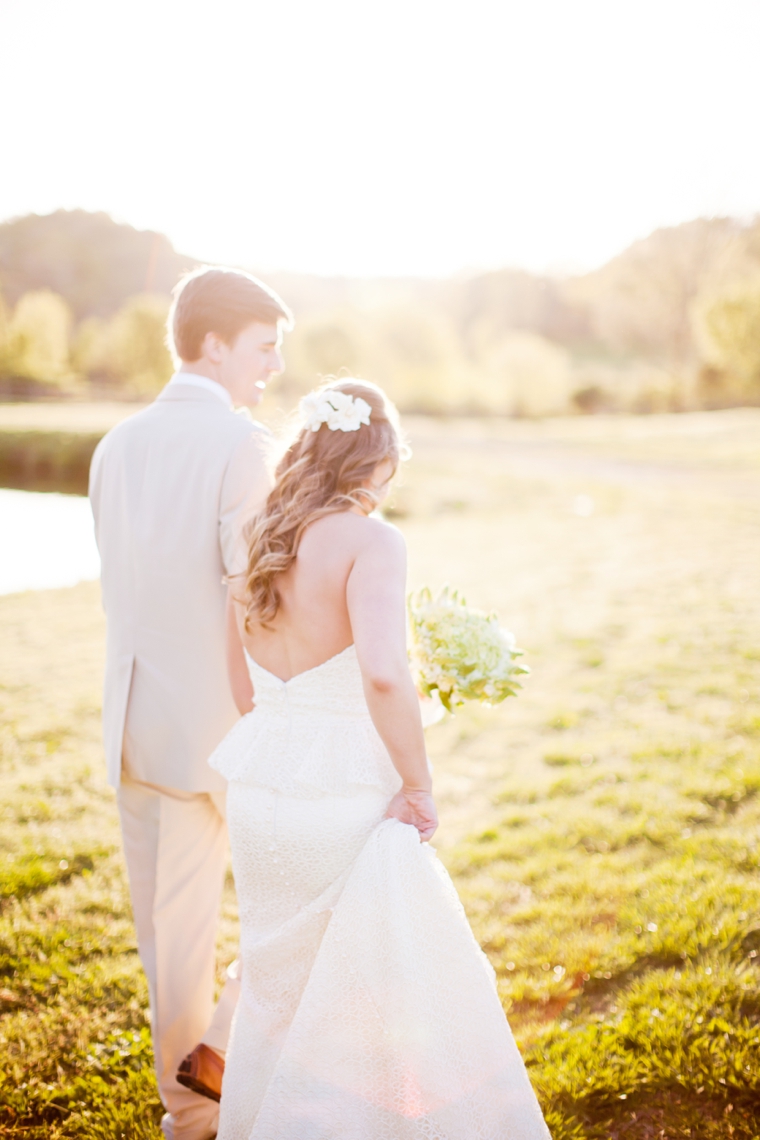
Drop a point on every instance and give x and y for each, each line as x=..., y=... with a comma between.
x=461, y=654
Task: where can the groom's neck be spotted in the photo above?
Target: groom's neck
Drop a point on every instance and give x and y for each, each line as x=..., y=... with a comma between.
x=201, y=368
x=205, y=369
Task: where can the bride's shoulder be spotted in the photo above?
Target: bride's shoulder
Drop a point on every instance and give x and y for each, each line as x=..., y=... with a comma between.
x=376, y=536
x=357, y=531
x=381, y=530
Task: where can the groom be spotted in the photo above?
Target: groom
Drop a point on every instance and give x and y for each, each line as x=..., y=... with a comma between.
x=171, y=489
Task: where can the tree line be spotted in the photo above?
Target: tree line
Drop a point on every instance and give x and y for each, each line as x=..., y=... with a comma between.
x=672, y=323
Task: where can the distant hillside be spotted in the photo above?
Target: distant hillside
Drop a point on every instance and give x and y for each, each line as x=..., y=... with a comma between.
x=672, y=322
x=96, y=264
x=93, y=262
x=498, y=300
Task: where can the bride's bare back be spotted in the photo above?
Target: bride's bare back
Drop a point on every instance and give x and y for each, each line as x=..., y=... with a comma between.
x=347, y=586
x=313, y=622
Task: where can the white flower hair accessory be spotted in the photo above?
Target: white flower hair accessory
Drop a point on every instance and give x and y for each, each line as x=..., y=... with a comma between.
x=339, y=410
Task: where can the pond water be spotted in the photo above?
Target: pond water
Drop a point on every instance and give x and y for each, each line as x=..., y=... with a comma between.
x=46, y=541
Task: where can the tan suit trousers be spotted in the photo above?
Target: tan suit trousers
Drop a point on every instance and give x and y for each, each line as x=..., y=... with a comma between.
x=175, y=845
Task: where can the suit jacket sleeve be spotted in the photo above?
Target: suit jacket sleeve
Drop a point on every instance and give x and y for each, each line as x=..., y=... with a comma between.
x=94, y=487
x=245, y=487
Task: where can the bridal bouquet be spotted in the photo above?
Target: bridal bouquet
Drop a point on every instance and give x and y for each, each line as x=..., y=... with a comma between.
x=460, y=654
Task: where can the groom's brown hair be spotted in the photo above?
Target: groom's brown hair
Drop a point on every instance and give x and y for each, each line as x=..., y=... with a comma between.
x=222, y=301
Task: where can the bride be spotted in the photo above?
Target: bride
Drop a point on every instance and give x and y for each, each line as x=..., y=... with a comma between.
x=368, y=1011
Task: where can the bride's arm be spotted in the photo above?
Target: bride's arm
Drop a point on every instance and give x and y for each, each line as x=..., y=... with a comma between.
x=237, y=669
x=376, y=596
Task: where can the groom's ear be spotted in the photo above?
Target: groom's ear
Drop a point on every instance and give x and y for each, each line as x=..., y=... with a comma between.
x=212, y=348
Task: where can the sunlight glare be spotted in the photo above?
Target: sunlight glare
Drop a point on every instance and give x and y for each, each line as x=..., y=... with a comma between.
x=407, y=138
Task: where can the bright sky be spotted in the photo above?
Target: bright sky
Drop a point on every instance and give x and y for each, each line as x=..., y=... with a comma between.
x=383, y=136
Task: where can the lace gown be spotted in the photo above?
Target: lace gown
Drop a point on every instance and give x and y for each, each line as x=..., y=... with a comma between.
x=367, y=1011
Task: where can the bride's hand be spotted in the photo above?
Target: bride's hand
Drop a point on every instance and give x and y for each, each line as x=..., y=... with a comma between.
x=416, y=807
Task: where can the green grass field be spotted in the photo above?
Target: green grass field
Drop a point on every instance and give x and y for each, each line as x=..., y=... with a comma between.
x=603, y=829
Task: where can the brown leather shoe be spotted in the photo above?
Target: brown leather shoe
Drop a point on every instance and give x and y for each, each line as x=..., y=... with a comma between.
x=202, y=1071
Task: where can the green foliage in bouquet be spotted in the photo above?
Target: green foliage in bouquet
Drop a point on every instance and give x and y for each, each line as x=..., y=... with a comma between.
x=459, y=653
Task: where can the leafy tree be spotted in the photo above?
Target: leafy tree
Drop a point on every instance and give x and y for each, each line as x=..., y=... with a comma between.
x=5, y=347
x=135, y=351
x=731, y=323
x=642, y=301
x=90, y=350
x=37, y=338
x=491, y=305
x=529, y=376
x=421, y=361
x=330, y=348
x=327, y=343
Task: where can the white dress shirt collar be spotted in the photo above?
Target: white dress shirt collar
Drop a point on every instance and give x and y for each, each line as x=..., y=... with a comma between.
x=196, y=381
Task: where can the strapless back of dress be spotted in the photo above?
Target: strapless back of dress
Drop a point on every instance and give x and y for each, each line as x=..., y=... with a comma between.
x=309, y=736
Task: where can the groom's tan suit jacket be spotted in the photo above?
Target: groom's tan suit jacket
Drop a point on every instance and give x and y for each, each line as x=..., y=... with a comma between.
x=171, y=489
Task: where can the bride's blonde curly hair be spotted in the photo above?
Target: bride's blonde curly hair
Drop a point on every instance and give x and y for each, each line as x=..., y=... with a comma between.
x=321, y=473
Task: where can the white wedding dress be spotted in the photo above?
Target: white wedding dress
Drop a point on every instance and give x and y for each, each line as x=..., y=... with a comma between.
x=367, y=1010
